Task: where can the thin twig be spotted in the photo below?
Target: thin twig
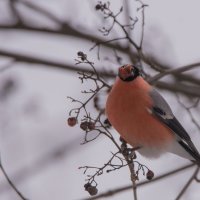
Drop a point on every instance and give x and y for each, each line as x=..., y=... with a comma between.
x=188, y=109
x=192, y=178
x=133, y=179
x=7, y=65
x=128, y=187
x=143, y=6
x=107, y=41
x=178, y=87
x=11, y=183
x=15, y=12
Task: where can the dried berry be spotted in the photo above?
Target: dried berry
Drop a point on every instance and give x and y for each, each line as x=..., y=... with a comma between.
x=87, y=126
x=98, y=7
x=104, y=6
x=92, y=190
x=83, y=57
x=72, y=121
x=84, y=126
x=80, y=53
x=91, y=126
x=149, y=175
x=87, y=185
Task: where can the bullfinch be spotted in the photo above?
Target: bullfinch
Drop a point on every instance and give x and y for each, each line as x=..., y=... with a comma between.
x=144, y=119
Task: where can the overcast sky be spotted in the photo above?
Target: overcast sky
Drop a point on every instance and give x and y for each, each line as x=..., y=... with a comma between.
x=171, y=34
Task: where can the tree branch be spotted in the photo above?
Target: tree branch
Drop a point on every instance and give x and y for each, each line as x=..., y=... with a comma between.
x=125, y=188
x=174, y=71
x=187, y=184
x=65, y=30
x=11, y=183
x=40, y=164
x=41, y=10
x=178, y=87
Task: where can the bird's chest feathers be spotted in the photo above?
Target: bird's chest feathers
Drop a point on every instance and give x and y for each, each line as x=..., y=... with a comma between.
x=130, y=107
x=128, y=113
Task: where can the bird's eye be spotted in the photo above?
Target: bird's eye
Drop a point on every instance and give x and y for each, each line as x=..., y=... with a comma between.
x=127, y=72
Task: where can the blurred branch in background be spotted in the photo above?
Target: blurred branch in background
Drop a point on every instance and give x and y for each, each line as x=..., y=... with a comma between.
x=192, y=178
x=7, y=66
x=42, y=163
x=68, y=30
x=11, y=183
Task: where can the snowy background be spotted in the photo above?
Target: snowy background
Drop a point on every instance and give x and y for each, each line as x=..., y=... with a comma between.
x=40, y=153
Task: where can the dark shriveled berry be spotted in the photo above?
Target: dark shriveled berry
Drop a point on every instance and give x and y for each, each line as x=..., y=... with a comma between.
x=84, y=126
x=92, y=190
x=149, y=175
x=80, y=53
x=98, y=7
x=71, y=121
x=87, y=126
x=87, y=185
x=91, y=126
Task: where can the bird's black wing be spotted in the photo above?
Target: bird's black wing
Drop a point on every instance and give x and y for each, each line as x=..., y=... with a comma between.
x=163, y=112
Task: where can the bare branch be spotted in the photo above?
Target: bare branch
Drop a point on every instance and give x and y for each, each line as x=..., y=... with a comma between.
x=34, y=60
x=7, y=65
x=12, y=4
x=128, y=187
x=192, y=178
x=130, y=162
x=65, y=30
x=41, y=10
x=188, y=109
x=11, y=183
x=142, y=8
x=174, y=71
x=41, y=164
x=178, y=87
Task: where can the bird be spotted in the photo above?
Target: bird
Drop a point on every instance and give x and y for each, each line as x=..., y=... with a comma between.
x=144, y=119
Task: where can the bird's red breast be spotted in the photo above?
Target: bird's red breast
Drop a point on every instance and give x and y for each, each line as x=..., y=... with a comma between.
x=128, y=107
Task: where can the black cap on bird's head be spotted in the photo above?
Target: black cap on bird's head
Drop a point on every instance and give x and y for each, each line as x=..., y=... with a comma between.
x=128, y=72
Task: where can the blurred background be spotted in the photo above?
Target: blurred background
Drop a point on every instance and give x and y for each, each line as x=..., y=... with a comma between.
x=39, y=41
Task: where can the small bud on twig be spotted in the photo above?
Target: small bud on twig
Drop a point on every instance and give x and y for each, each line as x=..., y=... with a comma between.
x=82, y=55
